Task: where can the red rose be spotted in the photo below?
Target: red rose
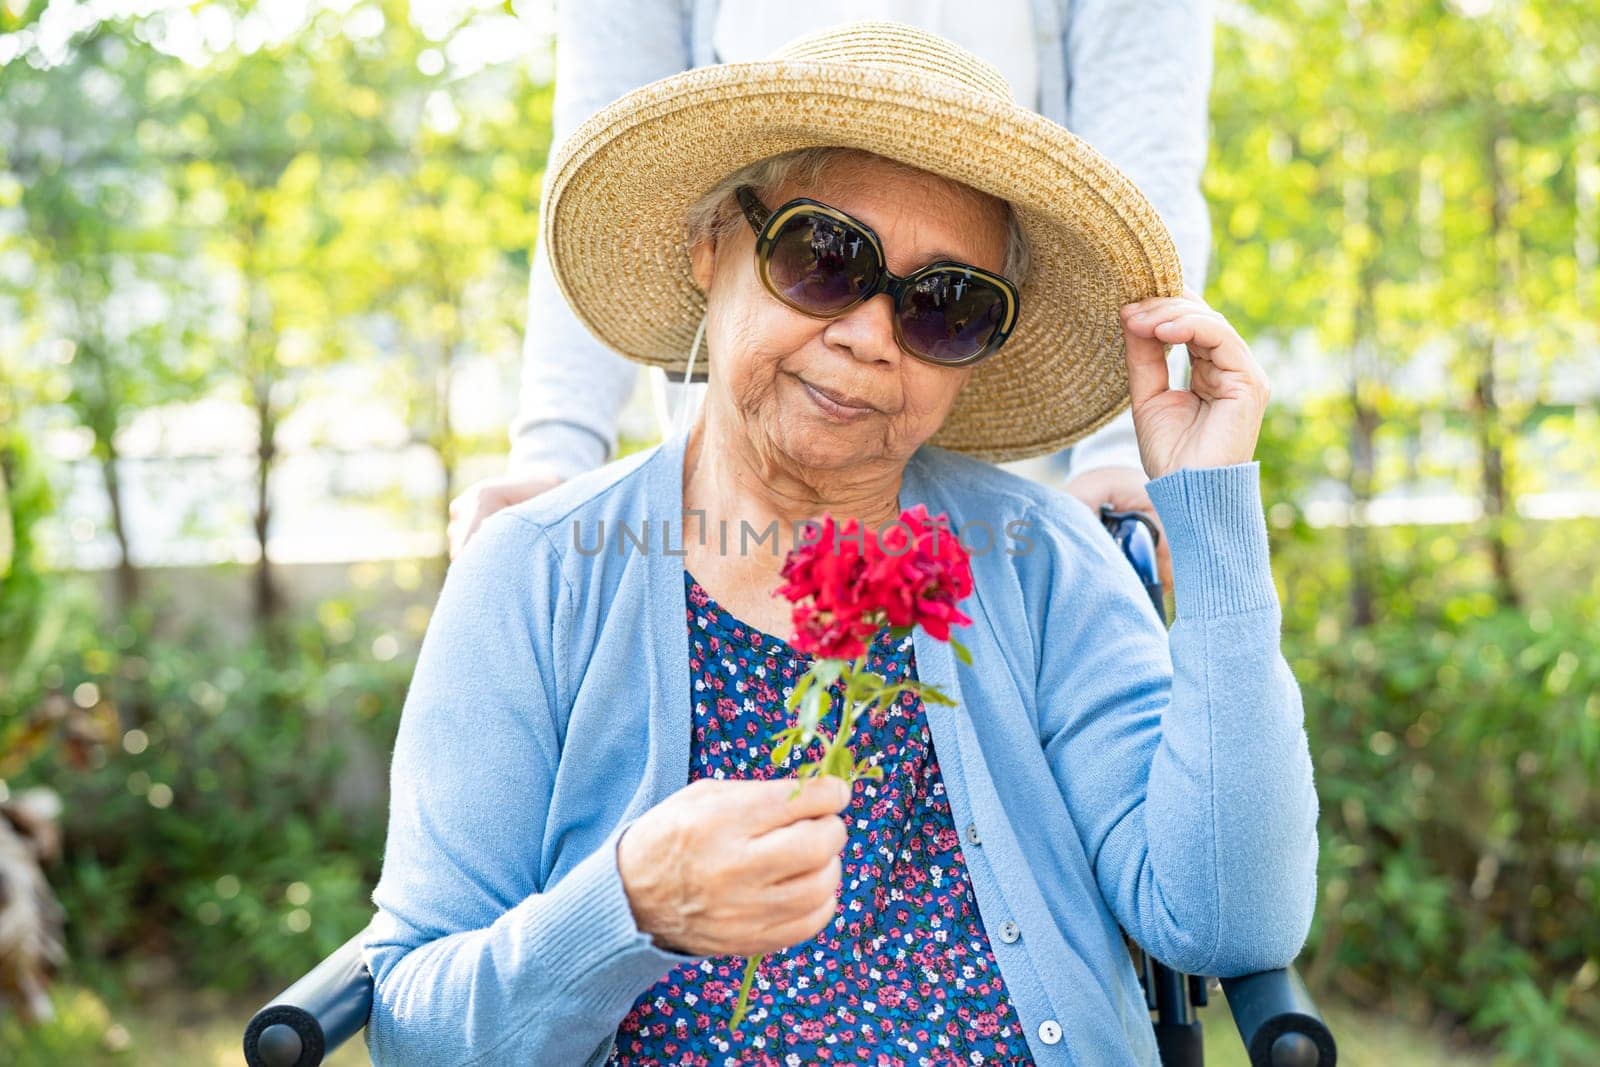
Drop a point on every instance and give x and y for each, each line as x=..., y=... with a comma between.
x=850, y=582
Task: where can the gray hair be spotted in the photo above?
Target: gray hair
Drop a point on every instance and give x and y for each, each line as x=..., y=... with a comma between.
x=716, y=215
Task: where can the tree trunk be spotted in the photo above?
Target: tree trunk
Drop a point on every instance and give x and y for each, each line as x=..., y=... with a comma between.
x=443, y=432
x=1496, y=496
x=1487, y=411
x=1363, y=417
x=102, y=422
x=261, y=360
x=1586, y=234
x=444, y=440
x=268, y=602
x=1358, y=535
x=127, y=583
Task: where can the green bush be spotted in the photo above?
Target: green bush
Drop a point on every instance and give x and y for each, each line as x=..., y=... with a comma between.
x=224, y=801
x=28, y=622
x=1457, y=750
x=216, y=833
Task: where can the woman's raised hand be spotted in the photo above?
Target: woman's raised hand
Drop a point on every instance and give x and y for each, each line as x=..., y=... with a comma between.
x=736, y=867
x=1213, y=423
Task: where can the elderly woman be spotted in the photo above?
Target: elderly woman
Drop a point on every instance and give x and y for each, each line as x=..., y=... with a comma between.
x=588, y=834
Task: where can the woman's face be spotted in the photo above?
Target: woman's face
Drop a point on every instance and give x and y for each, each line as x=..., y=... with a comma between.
x=834, y=393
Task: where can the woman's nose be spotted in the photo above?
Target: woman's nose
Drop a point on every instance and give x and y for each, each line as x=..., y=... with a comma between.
x=867, y=330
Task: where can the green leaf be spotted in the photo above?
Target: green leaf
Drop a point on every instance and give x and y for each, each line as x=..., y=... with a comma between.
x=799, y=691
x=838, y=763
x=961, y=652
x=811, y=708
x=934, y=694
x=866, y=769
x=866, y=685
x=827, y=671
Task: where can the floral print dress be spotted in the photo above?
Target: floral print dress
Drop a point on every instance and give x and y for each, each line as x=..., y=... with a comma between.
x=905, y=973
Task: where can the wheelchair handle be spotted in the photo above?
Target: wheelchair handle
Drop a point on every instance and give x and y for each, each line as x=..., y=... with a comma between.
x=1278, y=1021
x=1137, y=535
x=314, y=1016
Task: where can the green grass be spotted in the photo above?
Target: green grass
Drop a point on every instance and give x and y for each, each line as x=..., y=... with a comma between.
x=203, y=1029
x=193, y=1029
x=1365, y=1040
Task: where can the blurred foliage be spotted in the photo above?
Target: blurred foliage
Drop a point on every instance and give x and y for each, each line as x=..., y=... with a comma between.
x=1406, y=201
x=1457, y=746
x=234, y=230
x=224, y=799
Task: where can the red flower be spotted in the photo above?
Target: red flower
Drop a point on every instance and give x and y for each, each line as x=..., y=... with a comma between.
x=850, y=582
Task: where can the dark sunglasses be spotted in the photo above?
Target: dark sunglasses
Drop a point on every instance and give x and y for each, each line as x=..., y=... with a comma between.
x=822, y=263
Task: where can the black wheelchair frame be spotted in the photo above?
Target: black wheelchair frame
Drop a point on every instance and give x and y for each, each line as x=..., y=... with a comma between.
x=1277, y=1020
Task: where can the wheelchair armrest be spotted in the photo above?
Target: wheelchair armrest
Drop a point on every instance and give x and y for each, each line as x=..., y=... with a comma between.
x=314, y=1016
x=1278, y=1021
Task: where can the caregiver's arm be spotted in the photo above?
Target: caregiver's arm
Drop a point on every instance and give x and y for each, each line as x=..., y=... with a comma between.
x=1193, y=796
x=573, y=387
x=474, y=961
x=1139, y=81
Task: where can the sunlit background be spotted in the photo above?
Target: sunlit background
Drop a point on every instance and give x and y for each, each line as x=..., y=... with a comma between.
x=263, y=275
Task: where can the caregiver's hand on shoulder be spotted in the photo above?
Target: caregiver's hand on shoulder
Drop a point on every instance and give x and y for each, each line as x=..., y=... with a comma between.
x=736, y=868
x=483, y=498
x=1213, y=423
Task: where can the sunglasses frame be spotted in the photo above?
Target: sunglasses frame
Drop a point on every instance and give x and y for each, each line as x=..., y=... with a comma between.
x=767, y=225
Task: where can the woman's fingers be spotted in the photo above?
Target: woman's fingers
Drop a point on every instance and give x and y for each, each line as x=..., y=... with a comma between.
x=1205, y=330
x=726, y=866
x=1150, y=325
x=804, y=892
x=1214, y=345
x=799, y=847
x=767, y=805
x=1147, y=362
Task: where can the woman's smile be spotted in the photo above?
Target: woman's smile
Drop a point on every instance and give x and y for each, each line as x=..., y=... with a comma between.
x=836, y=405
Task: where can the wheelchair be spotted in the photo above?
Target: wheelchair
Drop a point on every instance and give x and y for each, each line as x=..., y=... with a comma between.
x=1277, y=1020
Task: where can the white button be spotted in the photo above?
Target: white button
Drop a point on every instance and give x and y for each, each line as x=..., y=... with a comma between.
x=972, y=833
x=1049, y=1031
x=1009, y=931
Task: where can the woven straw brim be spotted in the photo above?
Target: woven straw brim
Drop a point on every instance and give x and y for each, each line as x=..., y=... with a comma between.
x=618, y=192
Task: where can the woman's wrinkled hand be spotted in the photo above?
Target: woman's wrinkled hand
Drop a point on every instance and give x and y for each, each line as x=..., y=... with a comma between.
x=736, y=868
x=1213, y=423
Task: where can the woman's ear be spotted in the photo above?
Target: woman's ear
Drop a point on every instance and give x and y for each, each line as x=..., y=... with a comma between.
x=703, y=262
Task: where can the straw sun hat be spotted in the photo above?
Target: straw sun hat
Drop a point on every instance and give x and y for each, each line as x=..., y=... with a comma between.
x=618, y=191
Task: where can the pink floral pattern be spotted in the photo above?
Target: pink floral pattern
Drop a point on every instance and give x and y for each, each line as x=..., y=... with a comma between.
x=905, y=973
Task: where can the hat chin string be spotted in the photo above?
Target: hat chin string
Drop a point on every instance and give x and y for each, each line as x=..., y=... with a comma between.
x=687, y=406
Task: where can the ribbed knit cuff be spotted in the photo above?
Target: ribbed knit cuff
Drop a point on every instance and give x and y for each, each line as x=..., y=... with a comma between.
x=586, y=936
x=1218, y=536
x=565, y=449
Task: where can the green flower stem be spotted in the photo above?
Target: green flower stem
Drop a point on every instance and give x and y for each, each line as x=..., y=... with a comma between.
x=849, y=710
x=743, y=1004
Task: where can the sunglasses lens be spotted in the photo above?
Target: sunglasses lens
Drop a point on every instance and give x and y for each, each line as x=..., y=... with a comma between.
x=820, y=265
x=949, y=315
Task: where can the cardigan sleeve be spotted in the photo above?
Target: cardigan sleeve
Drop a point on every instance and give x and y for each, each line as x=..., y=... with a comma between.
x=473, y=959
x=1182, y=755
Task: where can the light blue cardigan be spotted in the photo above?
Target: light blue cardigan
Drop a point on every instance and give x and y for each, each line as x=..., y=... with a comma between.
x=1102, y=775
